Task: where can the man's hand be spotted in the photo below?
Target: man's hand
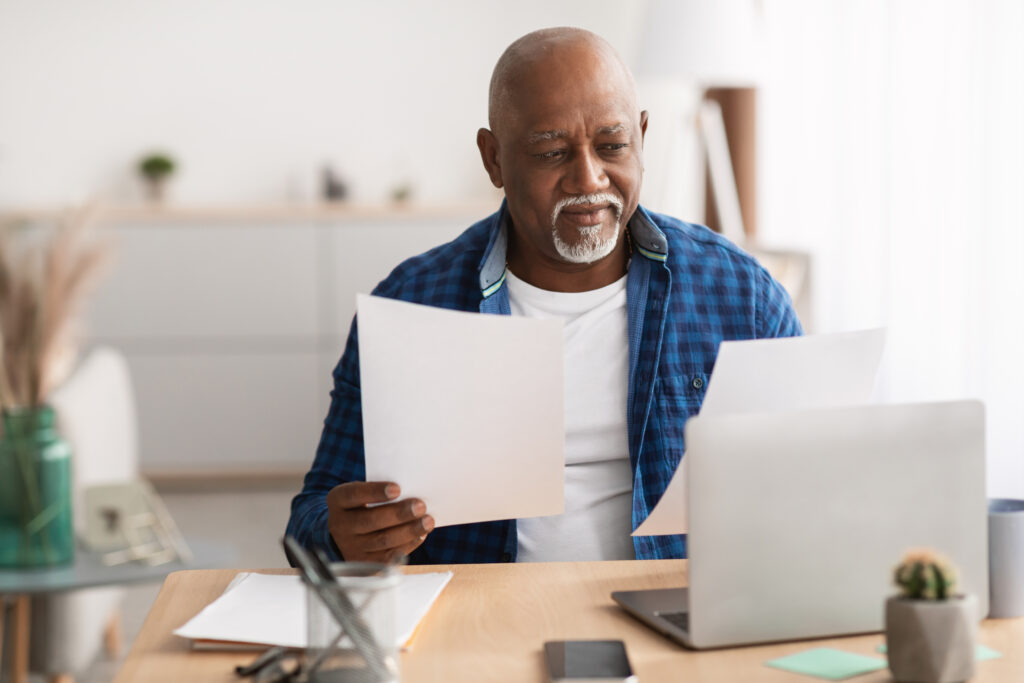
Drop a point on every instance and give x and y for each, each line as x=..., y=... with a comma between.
x=378, y=533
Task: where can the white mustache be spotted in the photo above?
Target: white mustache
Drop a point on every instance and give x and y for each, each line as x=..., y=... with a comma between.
x=581, y=200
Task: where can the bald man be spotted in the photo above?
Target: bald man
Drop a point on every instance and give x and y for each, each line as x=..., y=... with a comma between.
x=646, y=299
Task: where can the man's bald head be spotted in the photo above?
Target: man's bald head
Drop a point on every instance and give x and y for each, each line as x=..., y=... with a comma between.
x=576, y=51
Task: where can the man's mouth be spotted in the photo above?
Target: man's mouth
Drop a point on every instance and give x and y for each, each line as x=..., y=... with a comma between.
x=586, y=215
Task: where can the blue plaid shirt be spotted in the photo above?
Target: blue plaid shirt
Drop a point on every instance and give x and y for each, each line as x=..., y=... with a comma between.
x=688, y=289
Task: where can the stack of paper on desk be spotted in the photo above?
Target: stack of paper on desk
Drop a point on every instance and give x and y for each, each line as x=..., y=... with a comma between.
x=765, y=375
x=270, y=609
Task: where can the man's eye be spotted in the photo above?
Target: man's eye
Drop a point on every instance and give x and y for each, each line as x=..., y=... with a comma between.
x=614, y=147
x=548, y=156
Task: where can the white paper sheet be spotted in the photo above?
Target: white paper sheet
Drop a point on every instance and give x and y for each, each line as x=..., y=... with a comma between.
x=669, y=515
x=463, y=410
x=764, y=375
x=270, y=609
x=794, y=373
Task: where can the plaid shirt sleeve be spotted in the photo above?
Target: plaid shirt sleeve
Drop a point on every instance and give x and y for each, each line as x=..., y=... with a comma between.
x=339, y=457
x=775, y=315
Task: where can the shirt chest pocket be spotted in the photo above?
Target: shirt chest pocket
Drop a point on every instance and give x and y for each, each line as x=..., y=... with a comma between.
x=676, y=399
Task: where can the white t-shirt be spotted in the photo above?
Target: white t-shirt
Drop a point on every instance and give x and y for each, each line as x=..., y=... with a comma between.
x=598, y=478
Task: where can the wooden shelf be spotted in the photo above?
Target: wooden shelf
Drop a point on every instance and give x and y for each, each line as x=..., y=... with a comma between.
x=172, y=213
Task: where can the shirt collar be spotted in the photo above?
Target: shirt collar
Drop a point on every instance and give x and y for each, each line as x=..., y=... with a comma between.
x=492, y=265
x=648, y=240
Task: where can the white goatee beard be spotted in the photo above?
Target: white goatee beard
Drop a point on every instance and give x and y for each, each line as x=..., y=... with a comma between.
x=590, y=247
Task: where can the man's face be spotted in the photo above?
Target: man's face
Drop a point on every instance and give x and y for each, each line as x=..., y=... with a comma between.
x=569, y=156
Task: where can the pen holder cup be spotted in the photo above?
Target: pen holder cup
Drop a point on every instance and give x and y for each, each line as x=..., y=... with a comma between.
x=373, y=591
x=1006, y=557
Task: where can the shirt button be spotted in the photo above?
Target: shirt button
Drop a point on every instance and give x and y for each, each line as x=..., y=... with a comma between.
x=506, y=557
x=697, y=383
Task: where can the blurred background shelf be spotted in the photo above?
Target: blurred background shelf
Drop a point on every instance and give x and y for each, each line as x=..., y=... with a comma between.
x=199, y=214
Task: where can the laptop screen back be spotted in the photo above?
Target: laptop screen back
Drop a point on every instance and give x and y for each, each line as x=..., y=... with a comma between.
x=797, y=519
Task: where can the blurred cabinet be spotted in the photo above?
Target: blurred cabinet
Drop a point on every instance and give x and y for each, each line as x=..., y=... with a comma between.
x=210, y=282
x=233, y=322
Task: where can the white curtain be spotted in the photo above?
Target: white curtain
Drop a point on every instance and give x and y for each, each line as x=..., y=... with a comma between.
x=891, y=139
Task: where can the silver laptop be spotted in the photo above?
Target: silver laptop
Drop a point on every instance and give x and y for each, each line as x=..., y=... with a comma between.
x=797, y=519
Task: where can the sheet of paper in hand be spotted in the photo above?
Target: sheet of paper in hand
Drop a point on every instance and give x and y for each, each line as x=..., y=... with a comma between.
x=463, y=410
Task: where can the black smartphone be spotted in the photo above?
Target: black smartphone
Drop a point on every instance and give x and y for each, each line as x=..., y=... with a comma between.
x=580, y=661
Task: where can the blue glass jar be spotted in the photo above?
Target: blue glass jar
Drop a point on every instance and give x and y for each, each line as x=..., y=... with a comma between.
x=35, y=491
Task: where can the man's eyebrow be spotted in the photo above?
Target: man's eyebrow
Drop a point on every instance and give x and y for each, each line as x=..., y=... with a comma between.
x=544, y=135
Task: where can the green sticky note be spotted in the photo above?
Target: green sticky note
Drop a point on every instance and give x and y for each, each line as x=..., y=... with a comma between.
x=981, y=653
x=824, y=662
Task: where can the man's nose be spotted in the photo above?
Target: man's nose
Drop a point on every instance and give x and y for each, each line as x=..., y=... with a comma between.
x=586, y=174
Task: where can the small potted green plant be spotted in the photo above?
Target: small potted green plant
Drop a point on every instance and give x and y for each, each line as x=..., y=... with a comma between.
x=930, y=629
x=156, y=169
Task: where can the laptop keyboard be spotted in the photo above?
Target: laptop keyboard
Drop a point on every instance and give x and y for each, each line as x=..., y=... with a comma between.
x=680, y=620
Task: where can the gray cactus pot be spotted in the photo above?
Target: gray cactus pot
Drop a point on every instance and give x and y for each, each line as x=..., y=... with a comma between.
x=931, y=641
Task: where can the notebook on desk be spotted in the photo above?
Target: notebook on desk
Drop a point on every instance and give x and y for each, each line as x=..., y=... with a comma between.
x=796, y=519
x=260, y=610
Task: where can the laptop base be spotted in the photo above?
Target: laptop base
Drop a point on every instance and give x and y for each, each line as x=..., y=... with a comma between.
x=666, y=610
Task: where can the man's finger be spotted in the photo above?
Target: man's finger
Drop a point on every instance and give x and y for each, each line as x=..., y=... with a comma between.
x=369, y=520
x=405, y=549
x=387, y=556
x=396, y=536
x=356, y=494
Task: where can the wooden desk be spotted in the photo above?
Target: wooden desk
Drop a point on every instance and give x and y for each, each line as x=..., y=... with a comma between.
x=492, y=620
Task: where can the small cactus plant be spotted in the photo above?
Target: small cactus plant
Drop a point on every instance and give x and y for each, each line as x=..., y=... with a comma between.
x=925, y=575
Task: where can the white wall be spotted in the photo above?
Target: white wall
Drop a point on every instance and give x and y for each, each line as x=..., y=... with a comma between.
x=252, y=97
x=893, y=150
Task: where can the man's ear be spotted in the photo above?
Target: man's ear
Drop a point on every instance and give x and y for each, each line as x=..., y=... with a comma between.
x=488, y=145
x=643, y=124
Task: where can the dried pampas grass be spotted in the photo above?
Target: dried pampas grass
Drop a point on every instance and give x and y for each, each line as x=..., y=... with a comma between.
x=43, y=281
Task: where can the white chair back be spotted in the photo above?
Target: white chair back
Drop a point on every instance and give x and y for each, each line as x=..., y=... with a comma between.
x=96, y=415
